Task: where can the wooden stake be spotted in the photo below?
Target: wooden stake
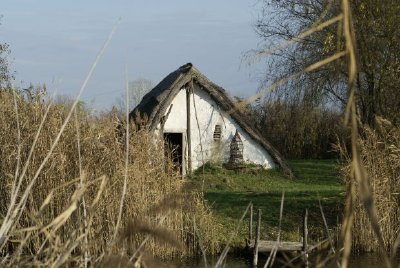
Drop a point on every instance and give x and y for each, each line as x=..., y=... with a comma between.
x=256, y=242
x=305, y=238
x=251, y=223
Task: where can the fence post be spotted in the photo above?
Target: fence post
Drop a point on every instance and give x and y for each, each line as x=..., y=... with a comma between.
x=251, y=223
x=305, y=238
x=257, y=240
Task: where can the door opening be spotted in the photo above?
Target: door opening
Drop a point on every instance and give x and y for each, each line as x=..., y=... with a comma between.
x=174, y=149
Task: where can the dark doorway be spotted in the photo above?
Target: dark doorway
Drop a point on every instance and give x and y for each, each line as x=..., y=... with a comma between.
x=173, y=148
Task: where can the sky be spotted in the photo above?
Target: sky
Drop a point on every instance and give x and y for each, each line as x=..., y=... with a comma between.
x=56, y=42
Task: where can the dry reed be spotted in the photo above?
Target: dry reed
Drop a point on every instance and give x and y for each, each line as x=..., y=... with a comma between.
x=380, y=154
x=72, y=209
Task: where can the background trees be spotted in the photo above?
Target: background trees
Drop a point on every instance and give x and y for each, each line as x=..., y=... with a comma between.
x=5, y=74
x=300, y=131
x=377, y=37
x=324, y=91
x=4, y=70
x=372, y=45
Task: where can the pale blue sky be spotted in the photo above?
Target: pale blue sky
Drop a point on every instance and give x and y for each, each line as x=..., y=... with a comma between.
x=55, y=42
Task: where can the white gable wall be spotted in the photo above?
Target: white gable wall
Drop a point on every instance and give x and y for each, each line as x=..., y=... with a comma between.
x=209, y=115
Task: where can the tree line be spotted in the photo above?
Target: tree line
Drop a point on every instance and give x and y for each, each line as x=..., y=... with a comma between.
x=303, y=117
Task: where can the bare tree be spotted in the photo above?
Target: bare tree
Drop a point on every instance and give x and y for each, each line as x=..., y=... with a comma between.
x=378, y=38
x=136, y=90
x=5, y=75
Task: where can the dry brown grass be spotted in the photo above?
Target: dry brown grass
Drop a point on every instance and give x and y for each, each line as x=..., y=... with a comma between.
x=72, y=207
x=380, y=154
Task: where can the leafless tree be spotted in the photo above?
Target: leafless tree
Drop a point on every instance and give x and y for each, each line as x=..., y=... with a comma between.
x=136, y=90
x=378, y=41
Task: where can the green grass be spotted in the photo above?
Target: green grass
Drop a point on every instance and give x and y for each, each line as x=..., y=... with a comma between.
x=228, y=192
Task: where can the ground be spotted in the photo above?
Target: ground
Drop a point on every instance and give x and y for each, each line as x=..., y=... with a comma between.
x=228, y=193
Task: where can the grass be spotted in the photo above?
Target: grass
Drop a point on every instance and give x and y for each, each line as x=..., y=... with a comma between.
x=229, y=192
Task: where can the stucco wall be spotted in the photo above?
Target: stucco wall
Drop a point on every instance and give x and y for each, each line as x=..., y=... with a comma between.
x=202, y=130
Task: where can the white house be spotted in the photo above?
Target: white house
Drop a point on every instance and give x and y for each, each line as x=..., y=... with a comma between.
x=198, y=118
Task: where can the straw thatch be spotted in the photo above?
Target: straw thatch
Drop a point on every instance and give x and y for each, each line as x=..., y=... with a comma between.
x=154, y=105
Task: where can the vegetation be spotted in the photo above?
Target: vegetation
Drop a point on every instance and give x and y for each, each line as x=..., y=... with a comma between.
x=303, y=116
x=60, y=200
x=380, y=151
x=5, y=74
x=228, y=192
x=136, y=91
x=343, y=54
x=63, y=181
x=299, y=131
x=376, y=44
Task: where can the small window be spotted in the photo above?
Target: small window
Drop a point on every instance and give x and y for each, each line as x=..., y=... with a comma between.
x=217, y=133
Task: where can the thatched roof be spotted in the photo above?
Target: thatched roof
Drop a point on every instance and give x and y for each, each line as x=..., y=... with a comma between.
x=154, y=105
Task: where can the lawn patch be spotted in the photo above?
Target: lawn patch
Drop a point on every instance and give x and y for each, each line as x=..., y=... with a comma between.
x=228, y=192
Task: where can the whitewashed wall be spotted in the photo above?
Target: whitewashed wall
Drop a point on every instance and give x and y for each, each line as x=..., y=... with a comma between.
x=202, y=130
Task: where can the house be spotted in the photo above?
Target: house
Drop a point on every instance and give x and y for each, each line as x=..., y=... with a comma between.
x=201, y=123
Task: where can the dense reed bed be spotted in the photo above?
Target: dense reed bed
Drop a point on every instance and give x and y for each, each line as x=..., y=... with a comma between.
x=380, y=154
x=66, y=213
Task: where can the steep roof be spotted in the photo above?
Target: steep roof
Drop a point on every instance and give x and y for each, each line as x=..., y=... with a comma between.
x=154, y=105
